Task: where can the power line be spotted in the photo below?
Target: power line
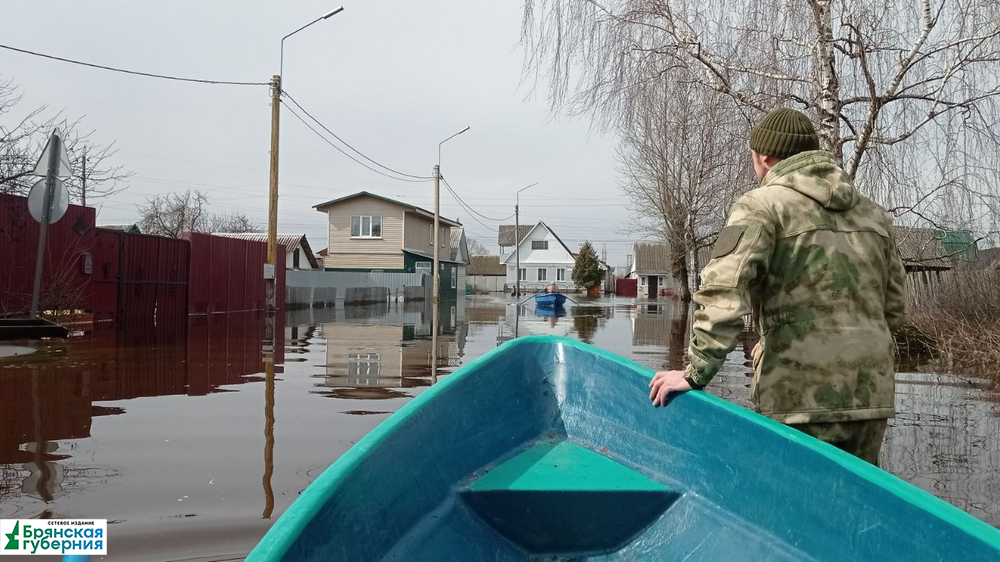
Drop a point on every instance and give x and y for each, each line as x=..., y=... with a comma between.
x=340, y=150
x=348, y=145
x=470, y=209
x=134, y=72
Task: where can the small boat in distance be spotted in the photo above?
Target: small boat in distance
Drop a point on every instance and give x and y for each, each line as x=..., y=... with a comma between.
x=548, y=448
x=550, y=300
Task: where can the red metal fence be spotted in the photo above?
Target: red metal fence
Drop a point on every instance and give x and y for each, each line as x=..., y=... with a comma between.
x=116, y=275
x=627, y=287
x=227, y=274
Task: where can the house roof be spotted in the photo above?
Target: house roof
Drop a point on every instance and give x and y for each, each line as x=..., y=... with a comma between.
x=413, y=208
x=430, y=256
x=486, y=265
x=289, y=241
x=130, y=228
x=652, y=257
x=921, y=247
x=552, y=232
x=505, y=237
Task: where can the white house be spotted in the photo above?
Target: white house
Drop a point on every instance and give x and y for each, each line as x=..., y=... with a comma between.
x=652, y=269
x=544, y=259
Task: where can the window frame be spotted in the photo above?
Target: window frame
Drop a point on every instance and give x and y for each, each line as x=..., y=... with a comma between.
x=371, y=227
x=561, y=274
x=542, y=274
x=542, y=244
x=522, y=274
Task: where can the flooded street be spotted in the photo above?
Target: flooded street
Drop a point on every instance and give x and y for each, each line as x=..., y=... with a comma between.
x=177, y=436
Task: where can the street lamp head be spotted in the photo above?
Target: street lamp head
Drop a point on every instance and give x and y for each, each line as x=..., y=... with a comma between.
x=463, y=130
x=333, y=12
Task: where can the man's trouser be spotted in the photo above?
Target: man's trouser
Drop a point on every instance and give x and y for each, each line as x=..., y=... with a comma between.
x=862, y=439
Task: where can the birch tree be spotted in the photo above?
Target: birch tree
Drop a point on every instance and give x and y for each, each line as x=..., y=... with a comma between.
x=904, y=92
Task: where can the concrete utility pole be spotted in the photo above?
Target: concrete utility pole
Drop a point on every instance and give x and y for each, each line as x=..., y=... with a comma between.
x=83, y=180
x=517, y=236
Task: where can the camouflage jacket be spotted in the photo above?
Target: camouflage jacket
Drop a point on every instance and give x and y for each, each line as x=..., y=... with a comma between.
x=817, y=266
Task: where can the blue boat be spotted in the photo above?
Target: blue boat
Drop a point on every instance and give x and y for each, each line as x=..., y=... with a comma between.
x=548, y=448
x=550, y=300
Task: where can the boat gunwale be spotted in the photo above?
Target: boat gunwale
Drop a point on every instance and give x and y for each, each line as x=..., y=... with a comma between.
x=290, y=525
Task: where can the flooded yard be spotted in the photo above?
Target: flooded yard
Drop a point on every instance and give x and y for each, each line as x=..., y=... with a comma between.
x=178, y=436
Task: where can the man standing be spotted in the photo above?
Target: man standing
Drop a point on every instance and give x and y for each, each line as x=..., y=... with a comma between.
x=816, y=264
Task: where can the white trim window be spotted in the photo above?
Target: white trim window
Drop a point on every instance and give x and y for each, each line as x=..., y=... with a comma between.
x=561, y=274
x=366, y=226
x=542, y=273
x=454, y=277
x=522, y=274
x=539, y=244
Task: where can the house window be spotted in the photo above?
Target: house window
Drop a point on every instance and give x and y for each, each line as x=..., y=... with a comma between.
x=539, y=244
x=541, y=273
x=661, y=281
x=424, y=266
x=642, y=280
x=560, y=274
x=454, y=277
x=295, y=258
x=522, y=274
x=366, y=226
x=364, y=364
x=430, y=235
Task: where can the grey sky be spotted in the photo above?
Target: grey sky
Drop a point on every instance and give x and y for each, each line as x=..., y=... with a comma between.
x=392, y=77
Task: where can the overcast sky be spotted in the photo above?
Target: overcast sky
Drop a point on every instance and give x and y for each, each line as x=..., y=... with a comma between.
x=391, y=77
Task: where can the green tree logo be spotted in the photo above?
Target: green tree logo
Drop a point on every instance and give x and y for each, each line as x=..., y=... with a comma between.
x=12, y=542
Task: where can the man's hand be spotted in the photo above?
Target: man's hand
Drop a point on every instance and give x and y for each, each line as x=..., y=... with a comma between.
x=664, y=383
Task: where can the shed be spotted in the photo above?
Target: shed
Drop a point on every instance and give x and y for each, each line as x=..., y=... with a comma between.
x=922, y=249
x=486, y=274
x=298, y=253
x=126, y=228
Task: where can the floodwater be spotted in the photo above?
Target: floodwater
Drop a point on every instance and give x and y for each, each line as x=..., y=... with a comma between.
x=180, y=437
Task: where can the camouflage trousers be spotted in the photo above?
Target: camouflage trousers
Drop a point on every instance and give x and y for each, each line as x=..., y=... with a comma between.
x=862, y=439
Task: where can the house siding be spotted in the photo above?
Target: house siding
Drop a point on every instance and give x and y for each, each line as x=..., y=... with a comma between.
x=417, y=235
x=343, y=252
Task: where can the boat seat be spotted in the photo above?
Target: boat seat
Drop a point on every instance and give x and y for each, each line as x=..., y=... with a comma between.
x=559, y=498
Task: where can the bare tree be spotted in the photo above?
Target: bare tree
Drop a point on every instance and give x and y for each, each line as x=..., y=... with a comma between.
x=23, y=138
x=477, y=249
x=904, y=92
x=683, y=162
x=172, y=214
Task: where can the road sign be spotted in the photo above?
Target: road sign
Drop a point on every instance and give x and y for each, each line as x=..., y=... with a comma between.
x=36, y=200
x=64, y=169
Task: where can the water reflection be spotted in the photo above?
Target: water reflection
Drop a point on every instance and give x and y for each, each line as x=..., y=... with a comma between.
x=158, y=427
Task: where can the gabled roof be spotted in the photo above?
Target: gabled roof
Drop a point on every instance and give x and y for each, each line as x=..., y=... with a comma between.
x=552, y=232
x=414, y=208
x=486, y=265
x=458, y=245
x=505, y=237
x=921, y=247
x=652, y=257
x=987, y=258
x=289, y=241
x=129, y=228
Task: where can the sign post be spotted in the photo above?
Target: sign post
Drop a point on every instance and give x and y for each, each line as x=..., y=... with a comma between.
x=56, y=163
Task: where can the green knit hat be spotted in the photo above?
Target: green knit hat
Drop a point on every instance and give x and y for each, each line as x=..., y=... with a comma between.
x=783, y=132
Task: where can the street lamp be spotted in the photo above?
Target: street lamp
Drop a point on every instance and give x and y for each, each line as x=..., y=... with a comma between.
x=517, y=235
x=437, y=220
x=272, y=209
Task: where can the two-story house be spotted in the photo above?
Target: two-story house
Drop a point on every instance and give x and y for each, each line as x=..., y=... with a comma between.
x=369, y=232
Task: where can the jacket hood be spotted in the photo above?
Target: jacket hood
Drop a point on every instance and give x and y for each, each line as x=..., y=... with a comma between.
x=816, y=174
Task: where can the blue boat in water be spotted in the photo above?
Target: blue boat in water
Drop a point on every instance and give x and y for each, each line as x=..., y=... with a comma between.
x=550, y=300
x=548, y=448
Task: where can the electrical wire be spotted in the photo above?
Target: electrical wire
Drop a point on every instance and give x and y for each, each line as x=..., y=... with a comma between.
x=134, y=72
x=348, y=145
x=469, y=208
x=340, y=150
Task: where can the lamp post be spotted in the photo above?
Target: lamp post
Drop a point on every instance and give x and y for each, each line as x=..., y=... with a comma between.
x=517, y=235
x=437, y=259
x=272, y=208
